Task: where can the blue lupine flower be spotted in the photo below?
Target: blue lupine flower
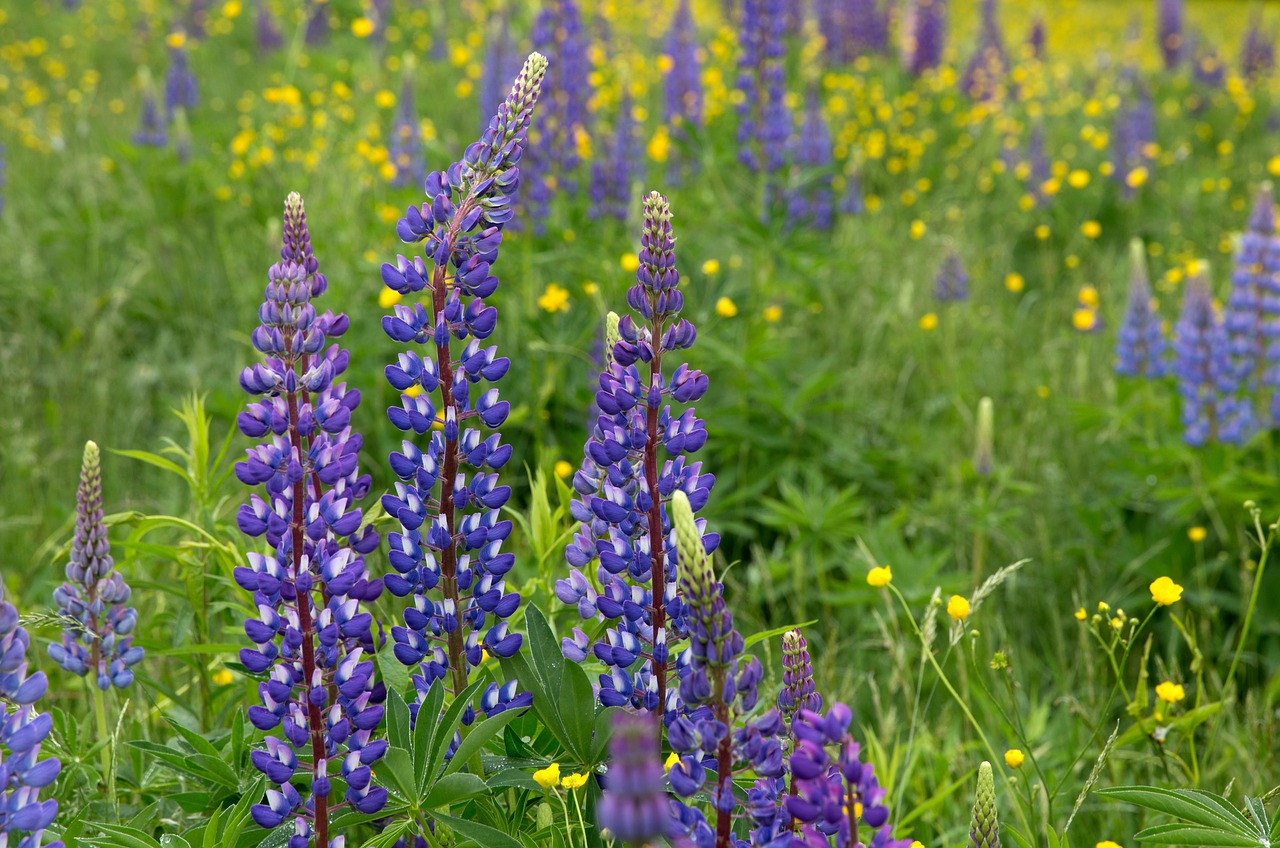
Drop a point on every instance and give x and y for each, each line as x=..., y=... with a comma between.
x=1251, y=312
x=317, y=31
x=95, y=596
x=1132, y=133
x=1206, y=378
x=983, y=74
x=553, y=158
x=310, y=638
x=1036, y=37
x=624, y=483
x=23, y=816
x=1258, y=49
x=406, y=142
x=764, y=119
x=616, y=166
x=501, y=64
x=1207, y=66
x=832, y=786
x=1141, y=348
x=682, y=84
x=151, y=129
x=1170, y=36
x=634, y=807
x=924, y=28
x=852, y=28
x=952, y=280
x=812, y=200
x=447, y=555
x=266, y=30
x=798, y=689
x=180, y=88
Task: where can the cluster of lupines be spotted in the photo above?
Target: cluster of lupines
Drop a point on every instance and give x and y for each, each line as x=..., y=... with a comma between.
x=924, y=34
x=1253, y=307
x=811, y=200
x=952, y=280
x=764, y=120
x=682, y=80
x=616, y=166
x=1211, y=409
x=180, y=88
x=986, y=68
x=98, y=638
x=634, y=808
x=447, y=555
x=624, y=484
x=557, y=33
x=406, y=142
x=501, y=64
x=1170, y=36
x=23, y=816
x=852, y=28
x=310, y=637
x=1141, y=348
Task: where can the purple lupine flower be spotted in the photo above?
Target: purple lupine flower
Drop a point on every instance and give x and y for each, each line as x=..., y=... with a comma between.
x=317, y=31
x=1206, y=378
x=717, y=691
x=798, y=690
x=151, y=130
x=924, y=29
x=988, y=64
x=1206, y=65
x=1170, y=36
x=406, y=142
x=682, y=83
x=501, y=64
x=852, y=201
x=1141, y=348
x=1036, y=37
x=551, y=162
x=952, y=280
x=447, y=555
x=624, y=483
x=852, y=28
x=764, y=119
x=615, y=169
x=751, y=36
x=811, y=201
x=98, y=639
x=180, y=89
x=1257, y=50
x=634, y=807
x=23, y=816
x=1133, y=133
x=266, y=30
x=832, y=785
x=310, y=639
x=1250, y=313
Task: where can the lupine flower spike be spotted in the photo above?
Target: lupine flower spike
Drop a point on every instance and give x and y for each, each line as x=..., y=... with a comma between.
x=98, y=640
x=448, y=555
x=151, y=130
x=1141, y=348
x=310, y=639
x=984, y=831
x=798, y=690
x=625, y=480
x=23, y=816
x=634, y=807
x=1206, y=378
x=1252, y=307
x=952, y=281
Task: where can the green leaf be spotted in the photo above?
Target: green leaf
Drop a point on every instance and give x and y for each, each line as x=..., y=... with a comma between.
x=1176, y=804
x=480, y=834
x=159, y=462
x=479, y=736
x=1179, y=834
x=389, y=836
x=117, y=836
x=775, y=632
x=397, y=769
x=397, y=721
x=173, y=840
x=577, y=710
x=600, y=738
x=545, y=648
x=453, y=788
x=195, y=740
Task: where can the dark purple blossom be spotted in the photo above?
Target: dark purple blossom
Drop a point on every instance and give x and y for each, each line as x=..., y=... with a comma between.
x=151, y=130
x=811, y=199
x=180, y=88
x=95, y=596
x=447, y=556
x=635, y=808
x=987, y=66
x=1141, y=348
x=1133, y=134
x=1258, y=49
x=798, y=690
x=266, y=30
x=501, y=64
x=317, y=30
x=406, y=142
x=1036, y=37
x=1251, y=314
x=310, y=638
x=1211, y=409
x=1170, y=31
x=924, y=31
x=952, y=280
x=682, y=79
x=617, y=166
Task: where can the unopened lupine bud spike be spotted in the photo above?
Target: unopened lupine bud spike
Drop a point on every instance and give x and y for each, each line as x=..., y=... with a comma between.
x=984, y=451
x=984, y=831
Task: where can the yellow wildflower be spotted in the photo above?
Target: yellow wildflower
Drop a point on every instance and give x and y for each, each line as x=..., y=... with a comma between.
x=659, y=145
x=574, y=781
x=1078, y=178
x=388, y=298
x=1014, y=282
x=176, y=40
x=1091, y=229
x=549, y=777
x=879, y=576
x=958, y=607
x=726, y=308
x=1089, y=297
x=711, y=267
x=917, y=229
x=630, y=262
x=1170, y=692
x=1107, y=844
x=1136, y=177
x=928, y=321
x=222, y=676
x=1084, y=319
x=362, y=27
x=384, y=99
x=1081, y=615
x=772, y=313
x=554, y=299
x=563, y=469
x=1197, y=534
x=1013, y=758
x=1165, y=592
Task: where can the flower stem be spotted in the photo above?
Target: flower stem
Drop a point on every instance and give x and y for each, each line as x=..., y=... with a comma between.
x=100, y=714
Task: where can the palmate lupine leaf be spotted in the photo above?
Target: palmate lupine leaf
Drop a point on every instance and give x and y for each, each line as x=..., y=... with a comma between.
x=1207, y=819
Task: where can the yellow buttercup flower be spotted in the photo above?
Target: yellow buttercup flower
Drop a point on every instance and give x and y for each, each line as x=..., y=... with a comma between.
x=1084, y=319
x=388, y=298
x=1165, y=592
x=1107, y=844
x=574, y=781
x=176, y=40
x=549, y=777
x=1089, y=297
x=917, y=229
x=1091, y=229
x=1170, y=692
x=772, y=313
x=880, y=576
x=659, y=145
x=1080, y=614
x=1197, y=534
x=630, y=262
x=222, y=677
x=711, y=267
x=1136, y=177
x=958, y=607
x=1078, y=178
x=1013, y=758
x=726, y=308
x=928, y=321
x=362, y=27
x=1014, y=282
x=563, y=469
x=554, y=299
x=384, y=99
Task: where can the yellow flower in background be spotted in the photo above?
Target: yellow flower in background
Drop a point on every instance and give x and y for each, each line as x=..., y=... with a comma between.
x=388, y=298
x=1080, y=614
x=362, y=27
x=176, y=40
x=574, y=781
x=384, y=99
x=1170, y=692
x=630, y=262
x=726, y=308
x=917, y=229
x=563, y=469
x=1273, y=166
x=929, y=321
x=590, y=289
x=1107, y=844
x=231, y=9
x=772, y=313
x=1013, y=282
x=554, y=299
x=1078, y=178
x=1042, y=232
x=672, y=759
x=1089, y=297
x=1042, y=392
x=1197, y=534
x=1091, y=229
x=711, y=267
x=549, y=777
x=1136, y=178
x=659, y=145
x=958, y=607
x=222, y=677
x=1165, y=592
x=1013, y=758
x=880, y=576
x=1084, y=319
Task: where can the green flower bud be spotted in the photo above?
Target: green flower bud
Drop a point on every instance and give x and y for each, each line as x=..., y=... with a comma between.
x=984, y=832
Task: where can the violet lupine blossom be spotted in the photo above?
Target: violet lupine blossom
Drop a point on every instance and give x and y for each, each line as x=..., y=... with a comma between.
x=924, y=30
x=406, y=142
x=832, y=786
x=151, y=130
x=812, y=201
x=1257, y=50
x=764, y=119
x=952, y=280
x=624, y=483
x=1170, y=31
x=798, y=689
x=317, y=31
x=1207, y=66
x=634, y=808
x=1211, y=409
x=501, y=64
x=310, y=638
x=1251, y=312
x=1141, y=348
x=266, y=30
x=98, y=639
x=180, y=89
x=718, y=689
x=852, y=28
x=616, y=166
x=1036, y=37
x=852, y=201
x=987, y=66
x=23, y=816
x=447, y=556
x=1132, y=135
x=682, y=81
x=551, y=162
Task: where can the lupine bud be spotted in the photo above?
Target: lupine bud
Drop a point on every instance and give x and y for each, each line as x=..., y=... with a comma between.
x=798, y=690
x=984, y=450
x=984, y=832
x=98, y=639
x=1141, y=348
